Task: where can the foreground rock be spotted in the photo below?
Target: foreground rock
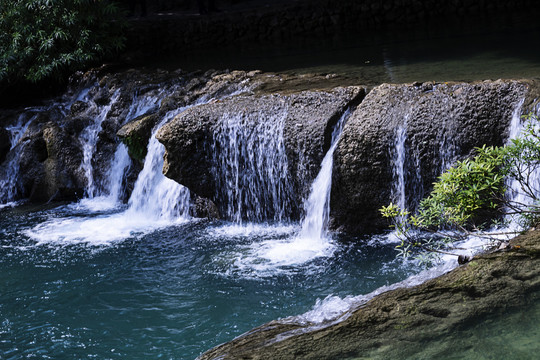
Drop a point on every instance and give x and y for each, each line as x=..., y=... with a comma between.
x=417, y=130
x=275, y=143
x=399, y=323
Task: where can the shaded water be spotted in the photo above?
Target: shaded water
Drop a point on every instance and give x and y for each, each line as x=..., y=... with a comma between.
x=501, y=49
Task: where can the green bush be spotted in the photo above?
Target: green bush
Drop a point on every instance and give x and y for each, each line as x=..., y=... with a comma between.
x=471, y=189
x=50, y=39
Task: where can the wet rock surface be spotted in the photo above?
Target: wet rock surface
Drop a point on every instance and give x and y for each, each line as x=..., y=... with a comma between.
x=395, y=324
x=441, y=123
x=454, y=117
x=309, y=118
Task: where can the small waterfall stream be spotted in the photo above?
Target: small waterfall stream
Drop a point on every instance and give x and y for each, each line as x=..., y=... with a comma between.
x=108, y=191
x=317, y=206
x=9, y=171
x=515, y=193
x=251, y=167
x=156, y=196
x=311, y=241
x=89, y=139
x=155, y=202
x=398, y=167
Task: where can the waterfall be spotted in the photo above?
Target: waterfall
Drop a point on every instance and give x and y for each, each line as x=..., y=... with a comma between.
x=312, y=241
x=10, y=170
x=155, y=202
x=108, y=192
x=515, y=193
x=155, y=195
x=251, y=168
x=89, y=138
x=317, y=206
x=407, y=188
x=398, y=167
x=115, y=175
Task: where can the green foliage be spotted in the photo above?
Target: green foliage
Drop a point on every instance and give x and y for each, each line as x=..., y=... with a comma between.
x=47, y=39
x=469, y=190
x=464, y=190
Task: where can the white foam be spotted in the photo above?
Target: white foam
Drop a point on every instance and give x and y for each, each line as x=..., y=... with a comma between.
x=11, y=204
x=292, y=252
x=98, y=230
x=252, y=229
x=279, y=251
x=334, y=308
x=96, y=204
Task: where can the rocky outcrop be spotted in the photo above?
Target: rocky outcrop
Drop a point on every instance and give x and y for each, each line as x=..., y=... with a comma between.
x=399, y=323
x=191, y=139
x=48, y=160
x=136, y=134
x=438, y=124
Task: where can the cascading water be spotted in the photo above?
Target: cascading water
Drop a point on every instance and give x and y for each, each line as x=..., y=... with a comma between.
x=109, y=191
x=335, y=308
x=170, y=292
x=9, y=171
x=516, y=194
x=398, y=167
x=89, y=138
x=407, y=188
x=317, y=206
x=152, y=185
x=251, y=167
x=155, y=202
x=311, y=242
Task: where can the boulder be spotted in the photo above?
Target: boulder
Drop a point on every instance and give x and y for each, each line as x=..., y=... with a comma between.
x=203, y=208
x=136, y=134
x=50, y=166
x=300, y=126
x=436, y=125
x=401, y=323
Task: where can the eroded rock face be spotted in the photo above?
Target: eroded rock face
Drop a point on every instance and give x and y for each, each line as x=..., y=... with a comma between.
x=304, y=120
x=438, y=124
x=395, y=324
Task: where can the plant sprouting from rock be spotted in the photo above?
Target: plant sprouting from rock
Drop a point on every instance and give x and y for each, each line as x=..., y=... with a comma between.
x=496, y=183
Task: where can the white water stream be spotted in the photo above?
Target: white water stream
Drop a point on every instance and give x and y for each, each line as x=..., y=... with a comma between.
x=155, y=202
x=10, y=170
x=251, y=167
x=298, y=247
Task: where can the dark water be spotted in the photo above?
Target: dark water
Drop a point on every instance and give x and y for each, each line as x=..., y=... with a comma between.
x=498, y=48
x=171, y=293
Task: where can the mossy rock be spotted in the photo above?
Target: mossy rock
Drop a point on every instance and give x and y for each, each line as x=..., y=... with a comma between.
x=136, y=135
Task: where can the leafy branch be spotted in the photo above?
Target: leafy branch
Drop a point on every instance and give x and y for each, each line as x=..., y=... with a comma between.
x=496, y=183
x=48, y=39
